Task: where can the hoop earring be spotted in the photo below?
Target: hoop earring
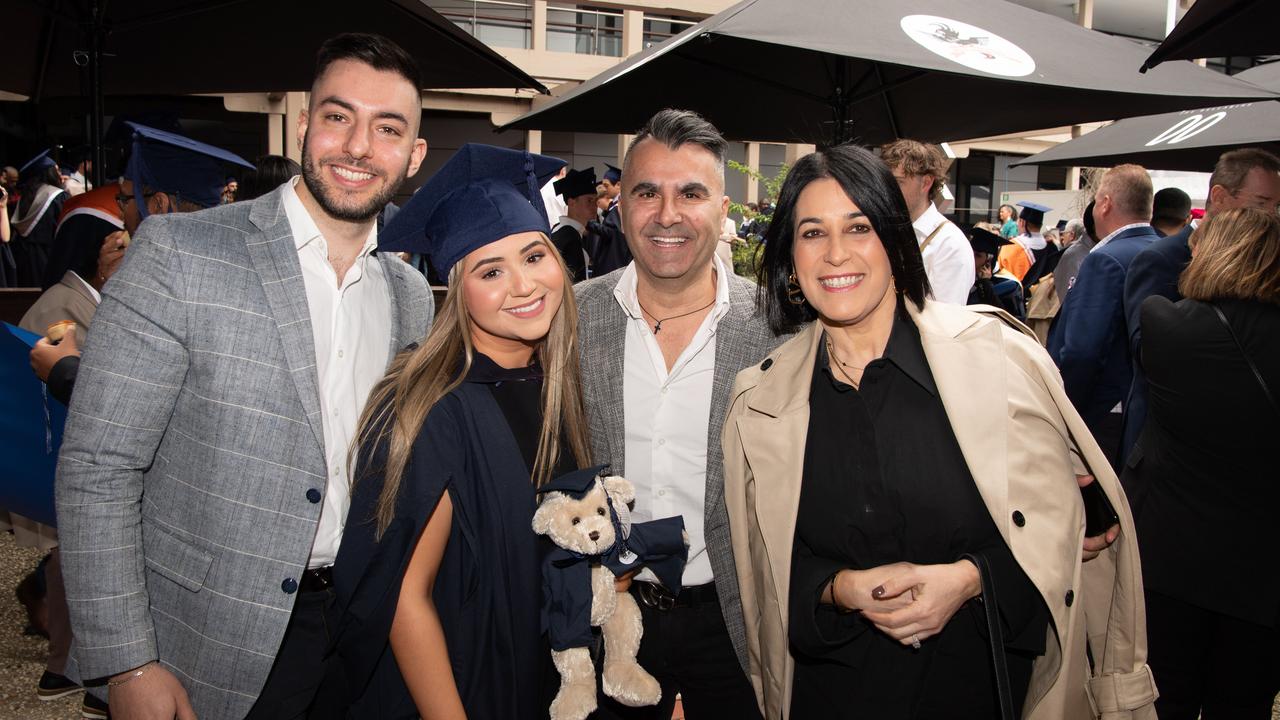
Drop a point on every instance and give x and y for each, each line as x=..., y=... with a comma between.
x=794, y=294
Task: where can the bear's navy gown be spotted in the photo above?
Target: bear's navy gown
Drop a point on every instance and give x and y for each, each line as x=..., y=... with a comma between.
x=477, y=444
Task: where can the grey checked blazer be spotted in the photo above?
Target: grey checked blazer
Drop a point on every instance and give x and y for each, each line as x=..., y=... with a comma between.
x=742, y=338
x=193, y=439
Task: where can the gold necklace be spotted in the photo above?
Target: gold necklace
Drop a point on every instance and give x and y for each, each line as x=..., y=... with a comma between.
x=831, y=352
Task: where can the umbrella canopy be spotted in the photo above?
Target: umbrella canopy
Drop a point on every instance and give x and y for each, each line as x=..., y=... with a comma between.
x=1187, y=140
x=876, y=70
x=1265, y=76
x=180, y=47
x=1218, y=28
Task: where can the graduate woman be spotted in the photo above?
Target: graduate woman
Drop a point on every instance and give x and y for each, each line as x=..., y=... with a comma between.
x=438, y=578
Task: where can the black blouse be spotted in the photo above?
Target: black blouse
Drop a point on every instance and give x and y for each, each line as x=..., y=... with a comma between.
x=885, y=481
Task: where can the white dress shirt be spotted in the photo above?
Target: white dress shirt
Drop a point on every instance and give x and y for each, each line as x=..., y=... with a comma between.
x=352, y=328
x=1116, y=232
x=948, y=259
x=667, y=416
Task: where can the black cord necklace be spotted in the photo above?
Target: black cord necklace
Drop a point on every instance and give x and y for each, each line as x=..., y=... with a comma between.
x=658, y=325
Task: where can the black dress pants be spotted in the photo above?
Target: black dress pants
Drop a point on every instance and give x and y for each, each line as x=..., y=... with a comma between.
x=688, y=650
x=1208, y=665
x=299, y=668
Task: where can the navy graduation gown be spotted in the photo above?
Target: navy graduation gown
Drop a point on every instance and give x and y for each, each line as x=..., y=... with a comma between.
x=488, y=590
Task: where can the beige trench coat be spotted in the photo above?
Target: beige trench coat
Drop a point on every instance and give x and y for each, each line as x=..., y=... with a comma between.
x=1024, y=445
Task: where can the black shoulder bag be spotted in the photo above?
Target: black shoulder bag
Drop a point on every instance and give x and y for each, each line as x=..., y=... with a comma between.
x=1266, y=391
x=995, y=634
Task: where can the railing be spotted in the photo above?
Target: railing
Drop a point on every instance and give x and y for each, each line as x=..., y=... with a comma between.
x=585, y=31
x=657, y=29
x=498, y=23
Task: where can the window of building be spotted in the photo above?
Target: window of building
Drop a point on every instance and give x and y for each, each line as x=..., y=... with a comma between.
x=497, y=23
x=584, y=30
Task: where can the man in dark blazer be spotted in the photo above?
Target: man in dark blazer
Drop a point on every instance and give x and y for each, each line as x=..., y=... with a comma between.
x=1249, y=177
x=1090, y=343
x=661, y=342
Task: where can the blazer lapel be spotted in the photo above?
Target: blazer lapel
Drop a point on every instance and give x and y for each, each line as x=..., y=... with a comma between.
x=275, y=257
x=969, y=369
x=604, y=362
x=395, y=291
x=732, y=342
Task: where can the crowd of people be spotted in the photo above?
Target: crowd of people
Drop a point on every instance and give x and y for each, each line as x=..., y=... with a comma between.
x=915, y=464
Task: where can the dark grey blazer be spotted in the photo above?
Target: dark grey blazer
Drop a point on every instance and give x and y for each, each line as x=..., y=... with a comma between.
x=185, y=499
x=742, y=338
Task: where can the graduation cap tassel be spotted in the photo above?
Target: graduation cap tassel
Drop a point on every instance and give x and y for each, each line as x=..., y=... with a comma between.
x=533, y=189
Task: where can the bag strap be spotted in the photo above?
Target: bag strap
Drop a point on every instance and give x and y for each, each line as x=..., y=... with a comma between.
x=929, y=238
x=1266, y=391
x=995, y=634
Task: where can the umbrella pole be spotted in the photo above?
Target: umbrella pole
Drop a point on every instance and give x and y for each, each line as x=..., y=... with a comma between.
x=95, y=91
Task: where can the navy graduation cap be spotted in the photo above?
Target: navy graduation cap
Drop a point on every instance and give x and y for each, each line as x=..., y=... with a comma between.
x=1033, y=212
x=612, y=174
x=577, y=183
x=984, y=241
x=481, y=195
x=37, y=164
x=162, y=161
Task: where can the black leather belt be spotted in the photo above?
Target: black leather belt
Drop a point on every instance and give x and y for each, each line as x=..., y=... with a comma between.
x=316, y=579
x=659, y=598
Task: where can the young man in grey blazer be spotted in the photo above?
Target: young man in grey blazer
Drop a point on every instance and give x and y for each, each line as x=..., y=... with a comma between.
x=203, y=481
x=664, y=338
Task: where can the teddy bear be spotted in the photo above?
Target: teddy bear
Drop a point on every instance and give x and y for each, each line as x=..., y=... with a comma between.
x=586, y=515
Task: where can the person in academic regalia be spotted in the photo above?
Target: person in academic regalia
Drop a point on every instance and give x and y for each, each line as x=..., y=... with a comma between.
x=1016, y=259
x=988, y=289
x=607, y=244
x=438, y=577
x=37, y=218
x=578, y=188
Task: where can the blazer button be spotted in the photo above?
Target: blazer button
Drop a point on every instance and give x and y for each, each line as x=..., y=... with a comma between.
x=768, y=363
x=1018, y=519
x=1071, y=597
x=290, y=586
x=313, y=495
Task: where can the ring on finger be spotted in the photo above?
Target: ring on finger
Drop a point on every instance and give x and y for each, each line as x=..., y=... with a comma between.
x=915, y=641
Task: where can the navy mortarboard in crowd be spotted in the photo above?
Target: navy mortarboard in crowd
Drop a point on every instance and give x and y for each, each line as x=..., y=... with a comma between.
x=1033, y=212
x=984, y=241
x=166, y=162
x=577, y=183
x=612, y=174
x=1062, y=224
x=37, y=164
x=481, y=195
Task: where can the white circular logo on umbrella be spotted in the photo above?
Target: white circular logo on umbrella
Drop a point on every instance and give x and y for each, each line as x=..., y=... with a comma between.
x=968, y=45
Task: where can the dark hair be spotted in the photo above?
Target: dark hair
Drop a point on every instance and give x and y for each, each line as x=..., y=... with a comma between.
x=867, y=181
x=1171, y=204
x=375, y=51
x=1234, y=167
x=674, y=128
x=272, y=170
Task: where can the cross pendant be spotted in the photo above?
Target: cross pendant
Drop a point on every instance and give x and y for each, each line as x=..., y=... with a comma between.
x=657, y=327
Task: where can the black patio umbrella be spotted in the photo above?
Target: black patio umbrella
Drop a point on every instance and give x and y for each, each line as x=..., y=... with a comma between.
x=876, y=70
x=175, y=47
x=1186, y=140
x=1264, y=76
x=1218, y=28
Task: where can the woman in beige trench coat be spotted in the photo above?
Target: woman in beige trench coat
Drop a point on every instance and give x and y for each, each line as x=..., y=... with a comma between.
x=1020, y=439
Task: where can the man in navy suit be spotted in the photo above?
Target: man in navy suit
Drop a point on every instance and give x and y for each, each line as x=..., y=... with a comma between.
x=1091, y=342
x=1242, y=178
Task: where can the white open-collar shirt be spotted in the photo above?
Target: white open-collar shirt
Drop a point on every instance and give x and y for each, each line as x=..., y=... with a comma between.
x=667, y=416
x=351, y=324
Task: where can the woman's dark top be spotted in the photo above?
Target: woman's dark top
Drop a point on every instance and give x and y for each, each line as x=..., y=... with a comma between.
x=1202, y=478
x=885, y=481
x=31, y=253
x=477, y=444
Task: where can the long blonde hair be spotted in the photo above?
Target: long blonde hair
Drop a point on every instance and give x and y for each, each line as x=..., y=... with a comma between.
x=1237, y=256
x=417, y=379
